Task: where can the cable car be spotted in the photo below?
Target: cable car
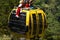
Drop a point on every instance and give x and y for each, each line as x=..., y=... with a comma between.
x=30, y=23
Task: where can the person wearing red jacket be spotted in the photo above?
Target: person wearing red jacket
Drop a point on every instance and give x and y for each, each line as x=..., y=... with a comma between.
x=27, y=5
x=23, y=5
x=19, y=8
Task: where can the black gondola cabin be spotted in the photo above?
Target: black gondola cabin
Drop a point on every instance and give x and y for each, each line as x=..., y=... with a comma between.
x=30, y=22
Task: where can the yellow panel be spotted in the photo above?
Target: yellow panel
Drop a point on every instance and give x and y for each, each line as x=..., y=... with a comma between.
x=32, y=11
x=27, y=18
x=40, y=11
x=24, y=10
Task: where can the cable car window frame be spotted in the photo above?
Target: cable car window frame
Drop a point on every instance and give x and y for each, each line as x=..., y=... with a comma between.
x=40, y=21
x=34, y=23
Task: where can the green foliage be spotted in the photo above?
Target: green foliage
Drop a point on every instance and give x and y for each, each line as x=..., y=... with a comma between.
x=5, y=8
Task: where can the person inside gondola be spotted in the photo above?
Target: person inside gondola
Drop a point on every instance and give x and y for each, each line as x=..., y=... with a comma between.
x=19, y=8
x=28, y=4
x=23, y=4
